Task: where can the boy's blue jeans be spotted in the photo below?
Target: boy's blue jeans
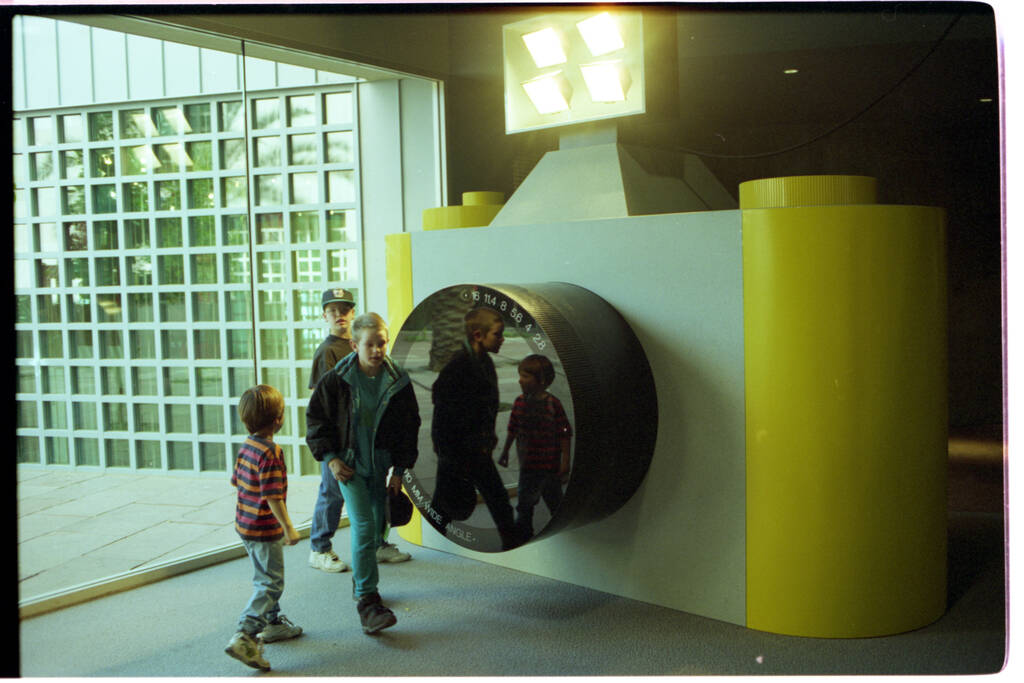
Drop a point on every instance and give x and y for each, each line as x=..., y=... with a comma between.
x=268, y=585
x=326, y=511
x=365, y=498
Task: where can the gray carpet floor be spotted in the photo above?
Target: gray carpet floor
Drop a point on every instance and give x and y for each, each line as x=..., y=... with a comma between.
x=460, y=617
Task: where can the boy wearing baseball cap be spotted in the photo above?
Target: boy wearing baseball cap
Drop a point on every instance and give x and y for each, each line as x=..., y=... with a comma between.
x=339, y=306
x=338, y=311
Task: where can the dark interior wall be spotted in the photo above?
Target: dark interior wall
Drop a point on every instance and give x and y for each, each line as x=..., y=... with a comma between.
x=480, y=155
x=917, y=159
x=962, y=176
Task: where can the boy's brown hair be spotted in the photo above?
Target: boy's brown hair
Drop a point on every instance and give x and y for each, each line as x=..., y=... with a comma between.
x=540, y=367
x=480, y=320
x=259, y=407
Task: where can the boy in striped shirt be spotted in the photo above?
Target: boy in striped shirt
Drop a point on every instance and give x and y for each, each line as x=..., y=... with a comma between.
x=261, y=519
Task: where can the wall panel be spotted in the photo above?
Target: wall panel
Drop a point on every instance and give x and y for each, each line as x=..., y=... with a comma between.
x=677, y=280
x=219, y=71
x=145, y=68
x=40, y=36
x=75, y=62
x=109, y=63
x=181, y=69
x=380, y=151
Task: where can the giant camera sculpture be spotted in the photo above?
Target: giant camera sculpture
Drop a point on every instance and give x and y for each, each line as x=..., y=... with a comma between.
x=602, y=379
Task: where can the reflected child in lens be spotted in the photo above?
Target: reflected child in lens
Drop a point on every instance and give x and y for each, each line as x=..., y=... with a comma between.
x=465, y=397
x=542, y=434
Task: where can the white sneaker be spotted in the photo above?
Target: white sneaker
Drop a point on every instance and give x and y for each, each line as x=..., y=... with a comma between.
x=280, y=630
x=389, y=552
x=247, y=650
x=326, y=561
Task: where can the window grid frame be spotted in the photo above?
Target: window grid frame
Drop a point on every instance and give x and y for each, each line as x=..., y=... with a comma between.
x=295, y=367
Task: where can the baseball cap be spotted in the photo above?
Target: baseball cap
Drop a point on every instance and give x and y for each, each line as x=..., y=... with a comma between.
x=337, y=295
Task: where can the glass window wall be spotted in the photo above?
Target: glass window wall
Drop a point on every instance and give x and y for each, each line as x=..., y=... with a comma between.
x=169, y=253
x=152, y=238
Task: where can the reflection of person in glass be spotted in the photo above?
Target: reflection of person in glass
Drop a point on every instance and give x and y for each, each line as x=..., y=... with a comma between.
x=362, y=419
x=542, y=434
x=465, y=397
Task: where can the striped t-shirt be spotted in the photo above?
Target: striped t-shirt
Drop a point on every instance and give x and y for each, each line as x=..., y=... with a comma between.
x=539, y=425
x=259, y=476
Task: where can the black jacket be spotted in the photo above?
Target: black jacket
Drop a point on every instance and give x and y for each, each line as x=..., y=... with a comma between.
x=465, y=397
x=329, y=417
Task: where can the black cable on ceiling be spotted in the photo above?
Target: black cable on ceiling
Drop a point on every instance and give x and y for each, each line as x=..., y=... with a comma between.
x=841, y=124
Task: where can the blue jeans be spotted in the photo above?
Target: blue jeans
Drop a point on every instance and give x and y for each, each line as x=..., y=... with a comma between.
x=268, y=585
x=365, y=498
x=326, y=511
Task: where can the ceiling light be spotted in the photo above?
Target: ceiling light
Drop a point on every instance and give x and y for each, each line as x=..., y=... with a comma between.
x=791, y=71
x=601, y=34
x=545, y=47
x=550, y=94
x=557, y=94
x=607, y=81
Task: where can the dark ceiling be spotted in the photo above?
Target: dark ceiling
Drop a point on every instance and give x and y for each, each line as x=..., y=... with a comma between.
x=927, y=66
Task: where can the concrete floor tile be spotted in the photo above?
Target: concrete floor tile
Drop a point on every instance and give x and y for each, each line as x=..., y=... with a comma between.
x=134, y=517
x=31, y=489
x=299, y=518
x=223, y=535
x=94, y=503
x=192, y=491
x=28, y=506
x=199, y=492
x=29, y=473
x=215, y=539
x=62, y=478
x=98, y=484
x=142, y=547
x=83, y=526
x=53, y=549
x=301, y=502
x=77, y=571
x=218, y=512
x=41, y=523
x=147, y=487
